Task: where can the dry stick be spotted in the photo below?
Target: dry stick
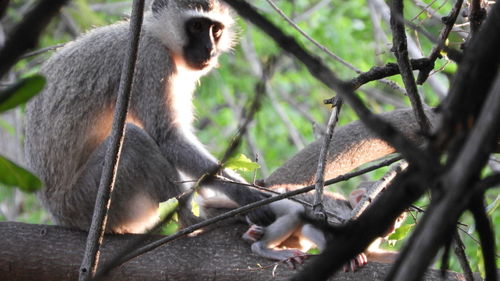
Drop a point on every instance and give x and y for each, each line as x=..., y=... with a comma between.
x=25, y=35
x=321, y=72
x=401, y=52
x=449, y=22
x=484, y=228
x=325, y=49
x=390, y=69
x=122, y=259
x=318, y=209
x=108, y=177
x=41, y=51
x=462, y=257
x=377, y=187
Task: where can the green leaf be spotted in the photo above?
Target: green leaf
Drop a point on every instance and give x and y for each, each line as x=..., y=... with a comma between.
x=401, y=232
x=14, y=176
x=167, y=207
x=170, y=228
x=241, y=163
x=21, y=92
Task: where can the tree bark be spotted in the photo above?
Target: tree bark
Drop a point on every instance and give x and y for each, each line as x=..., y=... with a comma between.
x=42, y=252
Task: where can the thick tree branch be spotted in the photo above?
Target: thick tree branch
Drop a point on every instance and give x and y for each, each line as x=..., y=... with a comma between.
x=40, y=252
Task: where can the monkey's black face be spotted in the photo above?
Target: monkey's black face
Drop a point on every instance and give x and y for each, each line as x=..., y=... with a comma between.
x=203, y=36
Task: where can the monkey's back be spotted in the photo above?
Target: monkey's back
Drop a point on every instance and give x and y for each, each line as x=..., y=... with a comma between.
x=73, y=114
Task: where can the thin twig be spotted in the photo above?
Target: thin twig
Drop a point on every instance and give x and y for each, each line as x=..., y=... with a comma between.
x=42, y=50
x=318, y=209
x=377, y=187
x=110, y=169
x=390, y=69
x=462, y=257
x=486, y=236
x=449, y=22
x=401, y=52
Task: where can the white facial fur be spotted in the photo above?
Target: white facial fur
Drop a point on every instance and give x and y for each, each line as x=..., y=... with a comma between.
x=168, y=25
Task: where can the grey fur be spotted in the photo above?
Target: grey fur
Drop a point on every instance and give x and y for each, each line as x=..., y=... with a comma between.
x=69, y=122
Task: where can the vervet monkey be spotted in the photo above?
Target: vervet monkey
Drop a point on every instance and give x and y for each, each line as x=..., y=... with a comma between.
x=69, y=123
x=289, y=237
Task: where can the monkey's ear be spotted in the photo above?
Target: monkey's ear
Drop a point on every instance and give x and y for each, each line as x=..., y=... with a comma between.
x=159, y=5
x=356, y=196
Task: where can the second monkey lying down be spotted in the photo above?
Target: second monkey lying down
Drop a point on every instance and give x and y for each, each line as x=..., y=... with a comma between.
x=290, y=236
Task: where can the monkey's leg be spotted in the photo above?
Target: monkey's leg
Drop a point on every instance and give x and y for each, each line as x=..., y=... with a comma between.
x=287, y=222
x=145, y=178
x=314, y=235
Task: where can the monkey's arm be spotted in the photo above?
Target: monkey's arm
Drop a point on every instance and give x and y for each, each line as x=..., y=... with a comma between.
x=163, y=105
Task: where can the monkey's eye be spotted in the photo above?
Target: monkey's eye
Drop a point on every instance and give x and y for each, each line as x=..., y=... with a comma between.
x=216, y=31
x=196, y=27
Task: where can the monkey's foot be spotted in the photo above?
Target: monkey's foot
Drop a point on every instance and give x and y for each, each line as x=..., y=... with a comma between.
x=356, y=263
x=254, y=233
x=297, y=258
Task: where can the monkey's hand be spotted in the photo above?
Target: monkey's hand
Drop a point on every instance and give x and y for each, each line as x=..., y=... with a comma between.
x=356, y=263
x=254, y=233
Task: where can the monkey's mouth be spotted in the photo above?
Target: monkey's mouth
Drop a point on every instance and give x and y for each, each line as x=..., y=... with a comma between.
x=199, y=65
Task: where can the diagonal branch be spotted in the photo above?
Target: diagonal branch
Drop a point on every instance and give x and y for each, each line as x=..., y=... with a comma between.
x=486, y=235
x=449, y=22
x=318, y=209
x=110, y=169
x=401, y=52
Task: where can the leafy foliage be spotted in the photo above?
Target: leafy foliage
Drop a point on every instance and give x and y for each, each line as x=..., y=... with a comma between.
x=21, y=92
x=241, y=163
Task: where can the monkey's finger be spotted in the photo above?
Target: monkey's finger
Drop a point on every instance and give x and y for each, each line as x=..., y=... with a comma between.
x=353, y=265
x=361, y=260
x=365, y=258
